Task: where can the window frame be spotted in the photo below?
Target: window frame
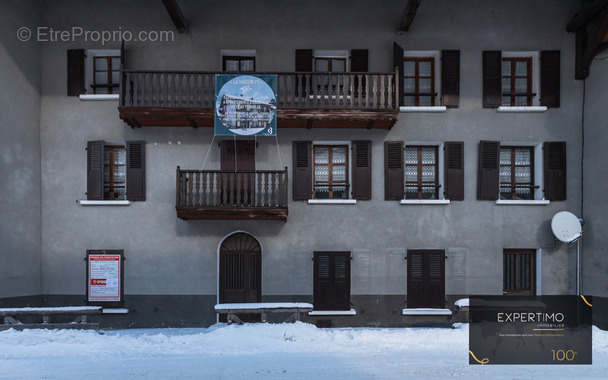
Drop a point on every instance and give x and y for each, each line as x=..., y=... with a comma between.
x=419, y=183
x=331, y=184
x=110, y=85
x=513, y=165
x=435, y=56
x=512, y=95
x=109, y=168
x=534, y=75
x=516, y=277
x=90, y=82
x=239, y=59
x=417, y=94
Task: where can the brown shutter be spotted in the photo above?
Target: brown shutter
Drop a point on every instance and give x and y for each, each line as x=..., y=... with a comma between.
x=554, y=162
x=454, y=170
x=492, y=79
x=549, y=78
x=450, y=78
x=359, y=61
x=95, y=151
x=331, y=281
x=302, y=170
x=122, y=53
x=394, y=185
x=398, y=64
x=362, y=170
x=304, y=60
x=76, y=72
x=425, y=279
x=489, y=152
x=227, y=155
x=136, y=170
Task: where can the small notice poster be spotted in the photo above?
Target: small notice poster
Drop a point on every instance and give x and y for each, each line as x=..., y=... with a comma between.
x=104, y=277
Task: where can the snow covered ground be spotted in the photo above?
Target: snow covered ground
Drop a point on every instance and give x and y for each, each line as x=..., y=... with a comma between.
x=265, y=351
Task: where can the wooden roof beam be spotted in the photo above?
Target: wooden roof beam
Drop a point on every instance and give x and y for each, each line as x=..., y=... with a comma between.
x=408, y=17
x=585, y=15
x=592, y=48
x=176, y=15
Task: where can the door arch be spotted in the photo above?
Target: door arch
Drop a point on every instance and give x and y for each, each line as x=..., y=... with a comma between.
x=240, y=269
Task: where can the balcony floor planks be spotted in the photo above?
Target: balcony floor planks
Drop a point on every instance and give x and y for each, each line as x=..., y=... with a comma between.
x=137, y=117
x=231, y=213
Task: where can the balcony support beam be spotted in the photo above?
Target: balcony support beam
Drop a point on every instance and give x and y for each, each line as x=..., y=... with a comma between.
x=176, y=15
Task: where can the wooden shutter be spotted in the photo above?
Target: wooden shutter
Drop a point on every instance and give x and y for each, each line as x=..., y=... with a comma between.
x=489, y=152
x=331, y=281
x=394, y=185
x=425, y=279
x=122, y=53
x=302, y=170
x=398, y=64
x=549, y=78
x=359, y=61
x=492, y=79
x=95, y=151
x=450, y=78
x=76, y=84
x=454, y=170
x=227, y=155
x=362, y=170
x=554, y=162
x=136, y=170
x=304, y=60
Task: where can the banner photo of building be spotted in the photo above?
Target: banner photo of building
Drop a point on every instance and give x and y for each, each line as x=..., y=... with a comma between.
x=245, y=105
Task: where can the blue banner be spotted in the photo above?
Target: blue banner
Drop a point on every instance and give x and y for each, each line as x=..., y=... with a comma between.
x=245, y=105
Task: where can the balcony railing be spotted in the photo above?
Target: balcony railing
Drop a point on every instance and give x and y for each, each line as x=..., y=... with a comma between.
x=295, y=90
x=217, y=194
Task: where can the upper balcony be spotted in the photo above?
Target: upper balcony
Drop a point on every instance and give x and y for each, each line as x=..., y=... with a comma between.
x=304, y=99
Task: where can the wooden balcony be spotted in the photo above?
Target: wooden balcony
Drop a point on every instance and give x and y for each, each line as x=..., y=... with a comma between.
x=304, y=99
x=222, y=195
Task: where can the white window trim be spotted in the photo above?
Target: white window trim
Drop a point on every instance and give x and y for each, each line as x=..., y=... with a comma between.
x=440, y=175
x=538, y=176
x=348, y=201
x=436, y=54
x=535, y=55
x=99, y=96
x=522, y=109
x=88, y=70
x=332, y=312
x=115, y=311
x=426, y=311
x=109, y=202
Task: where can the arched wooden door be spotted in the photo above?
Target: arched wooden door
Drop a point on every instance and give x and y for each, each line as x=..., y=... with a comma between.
x=240, y=270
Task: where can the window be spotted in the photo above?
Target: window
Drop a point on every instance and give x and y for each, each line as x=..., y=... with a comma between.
x=519, y=272
x=330, y=172
x=116, y=171
x=517, y=173
x=521, y=78
x=106, y=71
x=517, y=81
x=324, y=170
x=419, y=81
x=421, y=172
x=238, y=63
x=331, y=281
x=425, y=279
x=426, y=75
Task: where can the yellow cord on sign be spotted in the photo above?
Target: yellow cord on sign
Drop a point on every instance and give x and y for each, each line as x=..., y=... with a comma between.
x=587, y=302
x=482, y=362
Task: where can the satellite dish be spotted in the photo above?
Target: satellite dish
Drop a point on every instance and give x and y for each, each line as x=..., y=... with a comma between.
x=566, y=227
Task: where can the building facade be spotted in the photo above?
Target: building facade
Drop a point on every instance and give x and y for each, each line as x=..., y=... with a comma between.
x=408, y=170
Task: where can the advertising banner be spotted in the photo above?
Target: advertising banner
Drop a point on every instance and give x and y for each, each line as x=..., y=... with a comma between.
x=245, y=105
x=530, y=330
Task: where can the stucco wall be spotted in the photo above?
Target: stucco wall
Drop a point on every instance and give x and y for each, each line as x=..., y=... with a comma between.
x=166, y=255
x=19, y=151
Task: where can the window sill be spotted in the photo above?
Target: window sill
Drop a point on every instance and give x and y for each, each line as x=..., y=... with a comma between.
x=115, y=311
x=424, y=202
x=99, y=96
x=104, y=203
x=333, y=312
x=332, y=201
x=424, y=311
x=522, y=109
x=423, y=109
x=509, y=202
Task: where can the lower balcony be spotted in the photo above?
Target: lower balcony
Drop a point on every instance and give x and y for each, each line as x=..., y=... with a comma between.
x=229, y=195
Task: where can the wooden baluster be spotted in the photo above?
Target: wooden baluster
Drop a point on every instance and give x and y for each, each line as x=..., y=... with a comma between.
x=224, y=188
x=204, y=189
x=331, y=103
x=266, y=180
x=214, y=177
x=177, y=186
x=375, y=98
x=190, y=188
x=273, y=197
x=259, y=192
x=294, y=80
x=238, y=189
x=197, y=195
x=382, y=92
